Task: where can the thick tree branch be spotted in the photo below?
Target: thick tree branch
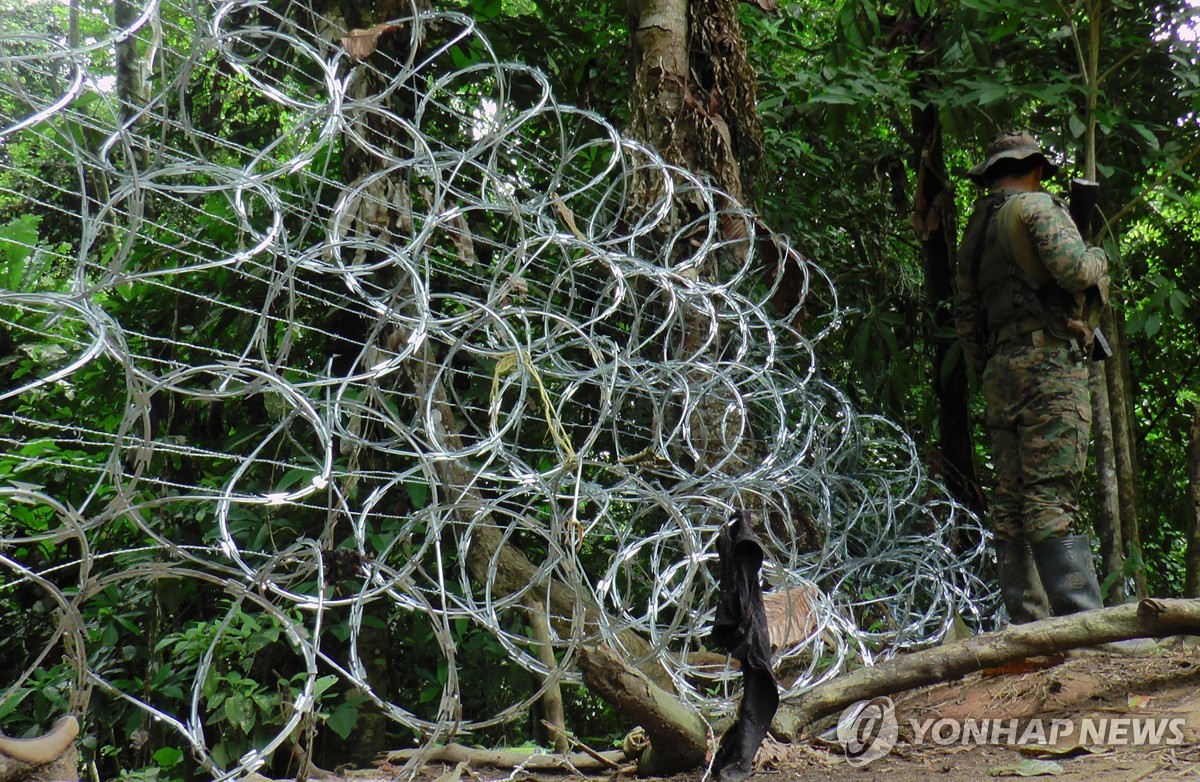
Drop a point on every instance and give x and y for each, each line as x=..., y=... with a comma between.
x=510, y=758
x=678, y=735
x=1149, y=618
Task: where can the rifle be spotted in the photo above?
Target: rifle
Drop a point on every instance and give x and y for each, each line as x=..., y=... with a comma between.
x=1085, y=195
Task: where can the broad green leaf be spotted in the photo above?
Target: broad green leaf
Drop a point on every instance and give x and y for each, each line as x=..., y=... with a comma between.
x=1145, y=133
x=1153, y=323
x=418, y=493
x=294, y=476
x=343, y=720
x=1077, y=126
x=324, y=683
x=1179, y=302
x=237, y=710
x=835, y=98
x=872, y=17
x=848, y=20
x=17, y=240
x=487, y=9
x=168, y=757
x=12, y=702
x=991, y=92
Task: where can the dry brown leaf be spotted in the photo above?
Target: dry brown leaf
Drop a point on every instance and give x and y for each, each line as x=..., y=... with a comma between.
x=1025, y=665
x=1028, y=768
x=791, y=615
x=773, y=755
x=361, y=44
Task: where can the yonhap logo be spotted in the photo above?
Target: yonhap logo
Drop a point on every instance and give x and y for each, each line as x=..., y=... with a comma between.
x=867, y=730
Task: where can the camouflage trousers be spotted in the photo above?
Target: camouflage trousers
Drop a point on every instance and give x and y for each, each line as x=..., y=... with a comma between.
x=1039, y=418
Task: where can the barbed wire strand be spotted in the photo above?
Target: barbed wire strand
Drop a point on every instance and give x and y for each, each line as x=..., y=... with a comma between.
x=493, y=230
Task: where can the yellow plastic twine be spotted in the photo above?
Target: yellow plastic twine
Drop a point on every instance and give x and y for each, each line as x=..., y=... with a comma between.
x=508, y=363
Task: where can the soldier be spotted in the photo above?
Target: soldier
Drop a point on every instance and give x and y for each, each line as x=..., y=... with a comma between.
x=1022, y=271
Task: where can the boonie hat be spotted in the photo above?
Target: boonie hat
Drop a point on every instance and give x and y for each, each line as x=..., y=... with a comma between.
x=1014, y=146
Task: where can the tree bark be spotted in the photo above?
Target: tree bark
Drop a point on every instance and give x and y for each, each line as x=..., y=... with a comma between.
x=1149, y=618
x=933, y=218
x=1122, y=433
x=1108, y=515
x=678, y=735
x=552, y=700
x=49, y=758
x=694, y=101
x=499, y=758
x=659, y=40
x=1191, y=586
x=693, y=91
x=130, y=77
x=1117, y=521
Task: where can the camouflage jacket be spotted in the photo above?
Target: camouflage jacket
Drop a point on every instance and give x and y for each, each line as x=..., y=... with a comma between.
x=1032, y=223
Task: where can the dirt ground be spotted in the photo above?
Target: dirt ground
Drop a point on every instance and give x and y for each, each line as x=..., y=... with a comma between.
x=1163, y=686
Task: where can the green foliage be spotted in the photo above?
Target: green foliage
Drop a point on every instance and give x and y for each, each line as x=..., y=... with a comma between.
x=839, y=83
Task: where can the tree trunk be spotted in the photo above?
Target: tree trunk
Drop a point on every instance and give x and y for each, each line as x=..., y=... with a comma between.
x=1108, y=516
x=1192, y=518
x=678, y=735
x=659, y=41
x=693, y=91
x=1117, y=520
x=694, y=102
x=1122, y=433
x=934, y=220
x=552, y=700
x=346, y=332
x=130, y=77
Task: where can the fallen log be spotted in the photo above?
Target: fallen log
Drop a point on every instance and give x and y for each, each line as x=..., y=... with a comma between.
x=1149, y=618
x=49, y=758
x=510, y=759
x=678, y=735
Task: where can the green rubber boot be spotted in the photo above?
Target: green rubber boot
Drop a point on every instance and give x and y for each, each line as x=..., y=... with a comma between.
x=1069, y=577
x=1020, y=587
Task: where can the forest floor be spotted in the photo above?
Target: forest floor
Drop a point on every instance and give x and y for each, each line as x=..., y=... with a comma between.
x=1114, y=694
x=1101, y=691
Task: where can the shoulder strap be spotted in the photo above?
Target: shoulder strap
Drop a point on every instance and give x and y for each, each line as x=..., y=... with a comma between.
x=1023, y=253
x=981, y=240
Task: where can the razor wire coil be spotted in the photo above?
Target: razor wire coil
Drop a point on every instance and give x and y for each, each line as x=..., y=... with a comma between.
x=606, y=401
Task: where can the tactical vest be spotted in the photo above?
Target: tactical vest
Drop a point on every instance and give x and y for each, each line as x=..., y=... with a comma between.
x=1016, y=290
